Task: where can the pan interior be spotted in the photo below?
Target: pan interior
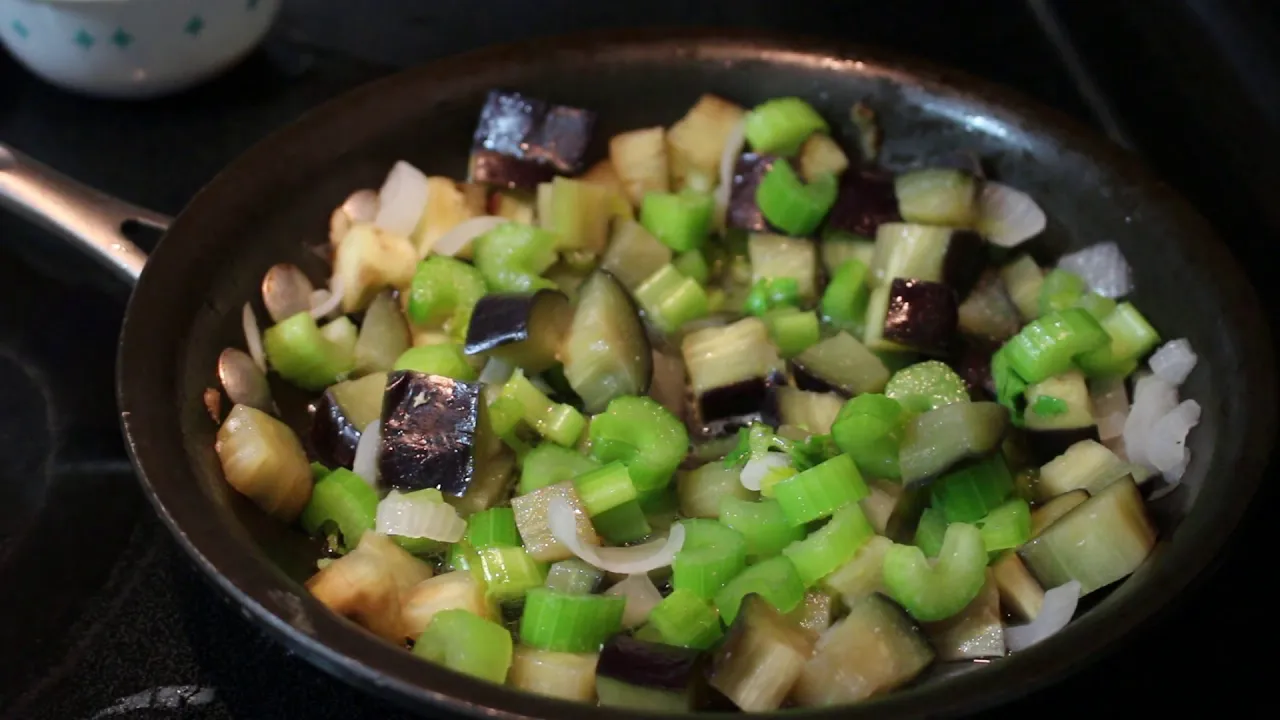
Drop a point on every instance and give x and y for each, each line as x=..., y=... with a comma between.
x=274, y=203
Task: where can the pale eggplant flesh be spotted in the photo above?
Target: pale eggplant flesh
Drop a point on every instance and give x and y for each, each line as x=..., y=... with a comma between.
x=428, y=433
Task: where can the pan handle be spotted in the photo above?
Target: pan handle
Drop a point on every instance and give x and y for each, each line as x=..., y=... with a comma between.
x=89, y=218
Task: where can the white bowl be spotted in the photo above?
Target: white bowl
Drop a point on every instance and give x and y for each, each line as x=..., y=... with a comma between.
x=132, y=48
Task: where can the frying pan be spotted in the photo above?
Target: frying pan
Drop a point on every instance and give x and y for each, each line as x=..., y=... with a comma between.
x=275, y=200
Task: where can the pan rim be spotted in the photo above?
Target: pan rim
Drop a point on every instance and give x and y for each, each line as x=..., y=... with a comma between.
x=356, y=656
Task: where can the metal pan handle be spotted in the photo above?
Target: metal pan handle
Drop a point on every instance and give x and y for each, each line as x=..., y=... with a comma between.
x=89, y=218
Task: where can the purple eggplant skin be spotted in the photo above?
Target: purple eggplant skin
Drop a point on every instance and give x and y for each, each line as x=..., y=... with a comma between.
x=428, y=431
x=743, y=212
x=964, y=262
x=804, y=380
x=527, y=128
x=972, y=362
x=333, y=436
x=722, y=411
x=500, y=319
x=866, y=200
x=922, y=316
x=1045, y=445
x=651, y=665
x=497, y=170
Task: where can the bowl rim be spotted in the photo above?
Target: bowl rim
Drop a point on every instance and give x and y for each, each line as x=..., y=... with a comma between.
x=341, y=648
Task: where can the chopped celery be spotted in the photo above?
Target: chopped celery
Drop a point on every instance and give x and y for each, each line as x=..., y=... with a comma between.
x=769, y=293
x=926, y=386
x=831, y=546
x=468, y=644
x=939, y=439
x=510, y=572
x=574, y=577
x=693, y=265
x=700, y=489
x=1061, y=290
x=560, y=423
x=605, y=488
x=669, y=299
x=623, y=524
x=968, y=493
x=446, y=359
x=645, y=436
x=788, y=203
x=1046, y=346
x=938, y=592
x=686, y=620
x=681, y=220
x=869, y=429
x=775, y=580
x=792, y=331
x=930, y=531
x=712, y=555
x=762, y=523
x=495, y=527
x=445, y=291
x=578, y=214
x=1096, y=305
x=511, y=257
x=1130, y=337
x=302, y=354
x=548, y=464
x=781, y=125
x=844, y=302
x=346, y=501
x=569, y=623
x=821, y=490
x=1007, y=526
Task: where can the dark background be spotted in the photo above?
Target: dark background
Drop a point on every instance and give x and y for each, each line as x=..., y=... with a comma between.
x=101, y=616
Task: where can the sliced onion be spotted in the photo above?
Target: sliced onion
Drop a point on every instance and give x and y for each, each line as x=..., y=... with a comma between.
x=496, y=371
x=324, y=306
x=757, y=468
x=1007, y=216
x=1167, y=441
x=642, y=597
x=1103, y=268
x=361, y=205
x=253, y=337
x=460, y=237
x=1110, y=407
x=365, y=463
x=402, y=199
x=622, y=560
x=419, y=517
x=733, y=145
x=1059, y=605
x=1174, y=361
x=1153, y=398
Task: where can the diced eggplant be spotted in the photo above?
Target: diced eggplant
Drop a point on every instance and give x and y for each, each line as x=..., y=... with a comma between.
x=940, y=439
x=371, y=584
x=723, y=356
x=369, y=259
x=457, y=590
x=873, y=650
x=988, y=312
x=838, y=248
x=1054, y=508
x=494, y=475
x=567, y=676
x=865, y=201
x=840, y=364
x=972, y=362
x=1086, y=465
x=515, y=205
x=938, y=196
x=384, y=335
x=1068, y=405
x=1045, y=445
x=533, y=524
x=428, y=431
x=262, y=459
x=762, y=656
x=879, y=505
x=498, y=170
x=528, y=128
x=696, y=142
x=815, y=613
x=341, y=413
x=644, y=675
x=607, y=352
x=526, y=330
x=640, y=159
x=905, y=517
x=921, y=316
x=777, y=256
x=924, y=252
x=1022, y=280
x=821, y=155
x=699, y=490
x=633, y=254
x=975, y=632
x=722, y=410
x=1020, y=594
x=668, y=385
x=862, y=576
x=1101, y=541
x=743, y=213
x=812, y=411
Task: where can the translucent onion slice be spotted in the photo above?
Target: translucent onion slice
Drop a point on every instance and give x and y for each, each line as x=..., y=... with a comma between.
x=1059, y=605
x=365, y=463
x=642, y=597
x=1167, y=440
x=361, y=205
x=1110, y=407
x=419, y=517
x=402, y=199
x=757, y=468
x=496, y=371
x=323, y=306
x=1103, y=268
x=462, y=234
x=253, y=337
x=1153, y=398
x=622, y=560
x=1007, y=216
x=1173, y=361
x=733, y=145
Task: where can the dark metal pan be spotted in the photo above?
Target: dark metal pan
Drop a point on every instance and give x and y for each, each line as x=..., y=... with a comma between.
x=273, y=202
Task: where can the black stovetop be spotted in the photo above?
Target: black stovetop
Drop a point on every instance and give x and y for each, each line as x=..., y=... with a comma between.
x=101, y=615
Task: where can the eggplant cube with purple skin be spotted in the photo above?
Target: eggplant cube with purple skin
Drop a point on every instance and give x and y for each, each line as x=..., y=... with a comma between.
x=864, y=202
x=743, y=212
x=922, y=316
x=428, y=432
x=521, y=141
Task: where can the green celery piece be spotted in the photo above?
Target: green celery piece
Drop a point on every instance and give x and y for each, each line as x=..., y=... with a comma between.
x=926, y=386
x=645, y=436
x=932, y=593
x=444, y=291
x=512, y=257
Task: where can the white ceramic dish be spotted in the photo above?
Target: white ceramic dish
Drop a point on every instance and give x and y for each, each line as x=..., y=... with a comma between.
x=132, y=48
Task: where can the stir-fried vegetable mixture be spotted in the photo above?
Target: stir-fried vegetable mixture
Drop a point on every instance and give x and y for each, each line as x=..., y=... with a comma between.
x=733, y=406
